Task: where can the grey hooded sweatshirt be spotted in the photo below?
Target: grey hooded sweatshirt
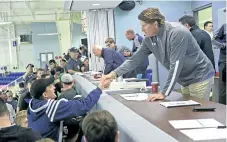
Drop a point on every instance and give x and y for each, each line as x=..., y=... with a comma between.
x=177, y=50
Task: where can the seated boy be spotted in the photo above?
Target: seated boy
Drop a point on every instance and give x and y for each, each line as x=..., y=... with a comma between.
x=14, y=133
x=45, y=114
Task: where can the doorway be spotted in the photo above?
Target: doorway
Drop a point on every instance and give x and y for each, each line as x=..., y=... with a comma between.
x=45, y=58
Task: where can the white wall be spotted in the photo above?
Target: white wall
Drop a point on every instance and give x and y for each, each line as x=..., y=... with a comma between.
x=63, y=28
x=25, y=50
x=7, y=59
x=77, y=35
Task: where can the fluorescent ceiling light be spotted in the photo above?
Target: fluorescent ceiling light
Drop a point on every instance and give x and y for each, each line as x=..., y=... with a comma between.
x=95, y=4
x=48, y=34
x=5, y=23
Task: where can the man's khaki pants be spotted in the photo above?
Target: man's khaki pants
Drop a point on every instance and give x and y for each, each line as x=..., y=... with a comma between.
x=200, y=90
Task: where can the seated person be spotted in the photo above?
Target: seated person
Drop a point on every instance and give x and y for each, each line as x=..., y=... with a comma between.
x=45, y=114
x=10, y=99
x=100, y=126
x=21, y=119
x=23, y=98
x=63, y=63
x=14, y=133
x=39, y=73
x=112, y=60
x=73, y=65
x=67, y=91
x=125, y=51
x=52, y=64
x=12, y=114
x=85, y=66
x=29, y=71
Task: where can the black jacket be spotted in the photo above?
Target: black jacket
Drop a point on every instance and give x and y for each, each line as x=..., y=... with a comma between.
x=16, y=133
x=204, y=42
x=220, y=42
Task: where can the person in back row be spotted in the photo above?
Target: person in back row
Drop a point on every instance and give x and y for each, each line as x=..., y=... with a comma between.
x=125, y=51
x=74, y=63
x=208, y=27
x=112, y=60
x=100, y=126
x=40, y=72
x=177, y=50
x=67, y=91
x=23, y=98
x=202, y=37
x=14, y=133
x=45, y=114
x=137, y=41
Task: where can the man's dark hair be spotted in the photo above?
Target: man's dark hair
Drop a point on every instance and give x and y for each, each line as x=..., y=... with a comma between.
x=21, y=85
x=187, y=19
x=52, y=61
x=3, y=108
x=100, y=127
x=110, y=40
x=206, y=23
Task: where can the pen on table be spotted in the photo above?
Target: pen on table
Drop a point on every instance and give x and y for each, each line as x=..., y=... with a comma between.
x=221, y=127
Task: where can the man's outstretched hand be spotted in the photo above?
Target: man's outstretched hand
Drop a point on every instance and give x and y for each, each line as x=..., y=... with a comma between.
x=104, y=83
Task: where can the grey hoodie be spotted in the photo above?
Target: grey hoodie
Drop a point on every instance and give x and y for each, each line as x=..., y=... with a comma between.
x=177, y=50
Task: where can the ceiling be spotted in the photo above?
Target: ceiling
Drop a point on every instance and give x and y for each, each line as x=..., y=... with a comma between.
x=26, y=11
x=80, y=5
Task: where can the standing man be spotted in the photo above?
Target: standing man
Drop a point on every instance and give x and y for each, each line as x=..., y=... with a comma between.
x=125, y=51
x=137, y=41
x=220, y=42
x=136, y=38
x=112, y=60
x=208, y=27
x=177, y=50
x=74, y=63
x=202, y=38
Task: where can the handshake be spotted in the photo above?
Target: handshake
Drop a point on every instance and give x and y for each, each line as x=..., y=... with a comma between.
x=106, y=80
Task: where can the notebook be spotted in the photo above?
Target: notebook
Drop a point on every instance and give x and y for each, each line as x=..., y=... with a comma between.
x=179, y=103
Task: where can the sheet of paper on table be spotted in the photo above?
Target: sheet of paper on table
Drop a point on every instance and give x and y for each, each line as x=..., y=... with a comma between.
x=135, y=97
x=179, y=103
x=205, y=134
x=195, y=123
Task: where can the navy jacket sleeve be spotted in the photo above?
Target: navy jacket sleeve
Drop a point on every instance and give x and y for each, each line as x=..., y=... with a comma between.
x=63, y=109
x=108, y=59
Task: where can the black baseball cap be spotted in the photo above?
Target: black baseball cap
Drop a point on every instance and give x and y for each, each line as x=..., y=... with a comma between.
x=39, y=86
x=73, y=50
x=30, y=65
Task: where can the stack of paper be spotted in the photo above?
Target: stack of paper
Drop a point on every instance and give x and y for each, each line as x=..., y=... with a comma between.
x=205, y=134
x=179, y=103
x=135, y=97
x=195, y=123
x=207, y=129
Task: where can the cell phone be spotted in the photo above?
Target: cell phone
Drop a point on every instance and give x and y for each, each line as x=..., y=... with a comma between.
x=197, y=109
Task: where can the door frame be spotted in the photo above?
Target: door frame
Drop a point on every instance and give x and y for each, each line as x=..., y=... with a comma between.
x=40, y=61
